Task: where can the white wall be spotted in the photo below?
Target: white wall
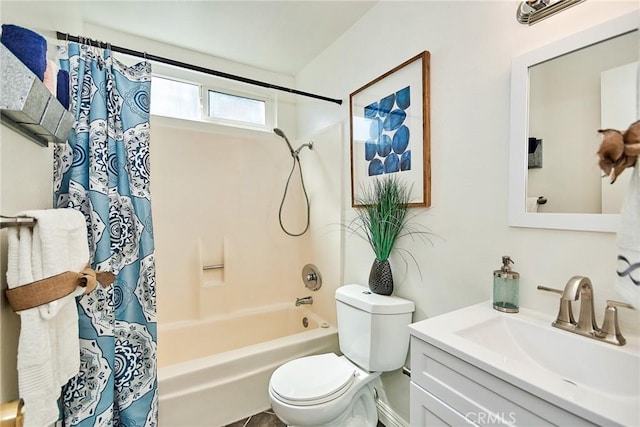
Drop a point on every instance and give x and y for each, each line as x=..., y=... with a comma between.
x=323, y=243
x=471, y=45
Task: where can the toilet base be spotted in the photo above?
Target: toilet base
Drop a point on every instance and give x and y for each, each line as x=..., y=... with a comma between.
x=361, y=412
x=355, y=408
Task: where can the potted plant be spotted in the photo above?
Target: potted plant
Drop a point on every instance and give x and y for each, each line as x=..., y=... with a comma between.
x=382, y=218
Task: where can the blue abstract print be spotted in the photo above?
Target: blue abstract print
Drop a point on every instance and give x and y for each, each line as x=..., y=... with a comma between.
x=104, y=172
x=387, y=147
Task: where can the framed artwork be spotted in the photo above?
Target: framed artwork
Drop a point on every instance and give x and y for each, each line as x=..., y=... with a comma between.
x=389, y=126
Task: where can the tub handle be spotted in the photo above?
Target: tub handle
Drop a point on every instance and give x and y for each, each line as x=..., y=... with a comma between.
x=311, y=277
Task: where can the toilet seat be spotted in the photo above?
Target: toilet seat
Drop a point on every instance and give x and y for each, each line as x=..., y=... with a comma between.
x=312, y=380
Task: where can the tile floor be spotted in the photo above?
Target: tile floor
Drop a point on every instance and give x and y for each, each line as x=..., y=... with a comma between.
x=265, y=419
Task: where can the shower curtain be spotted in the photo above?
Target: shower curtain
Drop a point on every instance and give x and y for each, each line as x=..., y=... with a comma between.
x=104, y=172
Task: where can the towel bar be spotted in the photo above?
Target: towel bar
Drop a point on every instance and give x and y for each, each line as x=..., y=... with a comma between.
x=212, y=267
x=16, y=221
x=12, y=414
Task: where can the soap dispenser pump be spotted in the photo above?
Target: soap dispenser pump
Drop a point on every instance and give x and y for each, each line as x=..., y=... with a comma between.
x=506, y=287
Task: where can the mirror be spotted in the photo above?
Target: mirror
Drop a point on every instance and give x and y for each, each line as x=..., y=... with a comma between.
x=561, y=94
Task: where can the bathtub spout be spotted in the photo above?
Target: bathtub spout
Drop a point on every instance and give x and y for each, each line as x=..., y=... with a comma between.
x=304, y=300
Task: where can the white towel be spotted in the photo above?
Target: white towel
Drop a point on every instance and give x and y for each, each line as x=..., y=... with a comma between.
x=532, y=204
x=48, y=347
x=628, y=271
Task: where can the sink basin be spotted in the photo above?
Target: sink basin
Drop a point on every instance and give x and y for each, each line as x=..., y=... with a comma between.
x=577, y=360
x=595, y=380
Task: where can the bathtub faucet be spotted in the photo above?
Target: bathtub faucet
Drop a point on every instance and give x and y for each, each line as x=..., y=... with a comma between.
x=304, y=300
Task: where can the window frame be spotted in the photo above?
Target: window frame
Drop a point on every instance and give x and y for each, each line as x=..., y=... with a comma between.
x=180, y=80
x=208, y=83
x=269, y=108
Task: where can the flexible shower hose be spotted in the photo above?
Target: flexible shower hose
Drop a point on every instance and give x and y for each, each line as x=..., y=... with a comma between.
x=296, y=160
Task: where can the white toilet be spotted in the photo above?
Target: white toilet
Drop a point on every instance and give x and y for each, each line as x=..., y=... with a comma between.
x=329, y=390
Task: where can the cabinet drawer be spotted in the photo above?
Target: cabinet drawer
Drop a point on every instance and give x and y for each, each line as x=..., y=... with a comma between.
x=427, y=410
x=471, y=390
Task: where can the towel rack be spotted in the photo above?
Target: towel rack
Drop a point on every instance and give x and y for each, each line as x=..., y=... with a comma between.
x=541, y=200
x=12, y=413
x=16, y=221
x=213, y=267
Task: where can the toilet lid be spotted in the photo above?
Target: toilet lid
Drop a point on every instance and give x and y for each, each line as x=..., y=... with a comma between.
x=313, y=379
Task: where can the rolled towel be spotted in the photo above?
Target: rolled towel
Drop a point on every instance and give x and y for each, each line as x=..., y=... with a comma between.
x=28, y=46
x=62, y=92
x=51, y=77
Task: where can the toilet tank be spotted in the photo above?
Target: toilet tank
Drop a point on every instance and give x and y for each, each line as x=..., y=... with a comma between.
x=372, y=328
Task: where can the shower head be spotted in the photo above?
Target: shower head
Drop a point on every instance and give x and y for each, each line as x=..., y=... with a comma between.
x=281, y=134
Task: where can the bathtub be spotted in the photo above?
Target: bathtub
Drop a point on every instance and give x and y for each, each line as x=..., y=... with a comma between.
x=216, y=371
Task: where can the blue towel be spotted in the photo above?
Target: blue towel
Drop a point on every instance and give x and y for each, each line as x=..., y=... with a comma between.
x=62, y=92
x=28, y=46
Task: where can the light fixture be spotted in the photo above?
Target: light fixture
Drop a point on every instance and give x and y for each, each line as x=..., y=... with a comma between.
x=532, y=11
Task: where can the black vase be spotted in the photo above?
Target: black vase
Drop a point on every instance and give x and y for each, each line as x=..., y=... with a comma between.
x=380, y=278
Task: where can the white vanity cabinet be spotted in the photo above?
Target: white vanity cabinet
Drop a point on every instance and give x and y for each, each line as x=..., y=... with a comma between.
x=446, y=390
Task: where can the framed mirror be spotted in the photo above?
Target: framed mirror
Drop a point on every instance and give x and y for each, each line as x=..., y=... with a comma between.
x=561, y=94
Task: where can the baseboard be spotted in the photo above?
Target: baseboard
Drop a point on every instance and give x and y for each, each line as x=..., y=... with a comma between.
x=388, y=417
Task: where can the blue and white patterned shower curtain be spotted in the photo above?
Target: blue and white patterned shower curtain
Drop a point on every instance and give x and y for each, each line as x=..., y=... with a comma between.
x=104, y=172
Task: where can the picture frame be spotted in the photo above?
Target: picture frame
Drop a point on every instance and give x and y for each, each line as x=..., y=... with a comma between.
x=390, y=130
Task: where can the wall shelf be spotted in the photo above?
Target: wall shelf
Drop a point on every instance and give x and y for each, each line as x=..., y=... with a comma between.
x=27, y=106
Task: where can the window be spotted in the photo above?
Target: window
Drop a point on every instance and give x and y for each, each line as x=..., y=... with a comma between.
x=237, y=108
x=213, y=100
x=174, y=98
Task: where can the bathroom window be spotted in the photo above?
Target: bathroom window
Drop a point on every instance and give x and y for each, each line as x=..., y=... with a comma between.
x=215, y=101
x=175, y=98
x=237, y=108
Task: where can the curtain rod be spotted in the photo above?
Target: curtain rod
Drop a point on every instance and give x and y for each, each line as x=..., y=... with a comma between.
x=85, y=40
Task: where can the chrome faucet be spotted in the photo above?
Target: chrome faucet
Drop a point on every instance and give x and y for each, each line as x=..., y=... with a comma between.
x=579, y=288
x=304, y=300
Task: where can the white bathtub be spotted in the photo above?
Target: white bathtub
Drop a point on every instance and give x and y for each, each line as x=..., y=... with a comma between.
x=217, y=371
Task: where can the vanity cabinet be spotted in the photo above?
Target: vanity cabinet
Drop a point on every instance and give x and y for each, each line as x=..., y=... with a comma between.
x=447, y=390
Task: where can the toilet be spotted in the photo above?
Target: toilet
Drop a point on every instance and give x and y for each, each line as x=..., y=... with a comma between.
x=330, y=390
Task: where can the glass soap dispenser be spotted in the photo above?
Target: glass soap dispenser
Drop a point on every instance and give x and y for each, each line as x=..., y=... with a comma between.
x=506, y=287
